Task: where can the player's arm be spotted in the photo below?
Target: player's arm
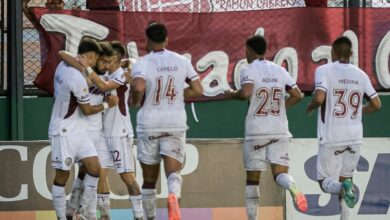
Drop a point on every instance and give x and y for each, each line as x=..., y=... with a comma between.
x=317, y=101
x=244, y=93
x=103, y=85
x=88, y=109
x=73, y=61
x=138, y=86
x=295, y=96
x=374, y=104
x=194, y=90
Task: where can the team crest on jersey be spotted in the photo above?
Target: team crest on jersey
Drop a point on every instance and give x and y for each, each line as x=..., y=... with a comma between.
x=68, y=161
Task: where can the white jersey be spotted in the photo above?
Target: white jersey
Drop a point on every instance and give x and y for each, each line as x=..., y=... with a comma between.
x=340, y=117
x=70, y=88
x=95, y=121
x=266, y=117
x=165, y=73
x=116, y=120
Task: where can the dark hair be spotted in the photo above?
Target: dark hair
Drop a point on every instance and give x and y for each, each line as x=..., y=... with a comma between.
x=342, y=47
x=88, y=44
x=119, y=49
x=257, y=43
x=156, y=32
x=107, y=49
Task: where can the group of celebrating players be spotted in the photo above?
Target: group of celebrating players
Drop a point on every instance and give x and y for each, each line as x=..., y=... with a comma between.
x=90, y=124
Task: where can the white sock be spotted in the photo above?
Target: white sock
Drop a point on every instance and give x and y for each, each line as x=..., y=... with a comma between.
x=175, y=181
x=136, y=202
x=103, y=204
x=59, y=201
x=89, y=195
x=149, y=202
x=331, y=186
x=252, y=199
x=345, y=210
x=73, y=203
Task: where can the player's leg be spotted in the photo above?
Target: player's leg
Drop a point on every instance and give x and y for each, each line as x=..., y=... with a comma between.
x=277, y=154
x=149, y=157
x=329, y=165
x=150, y=174
x=73, y=203
x=348, y=199
x=172, y=151
x=255, y=161
x=62, y=161
x=252, y=194
x=103, y=195
x=58, y=193
x=103, y=190
x=286, y=181
x=88, y=198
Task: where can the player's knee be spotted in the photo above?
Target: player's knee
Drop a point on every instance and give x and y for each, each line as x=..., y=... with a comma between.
x=149, y=185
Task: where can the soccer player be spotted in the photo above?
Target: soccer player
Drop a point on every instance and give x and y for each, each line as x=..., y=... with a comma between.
x=118, y=130
x=162, y=120
x=339, y=91
x=68, y=130
x=95, y=128
x=266, y=127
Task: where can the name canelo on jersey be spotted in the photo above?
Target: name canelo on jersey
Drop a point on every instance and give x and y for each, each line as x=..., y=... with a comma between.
x=167, y=68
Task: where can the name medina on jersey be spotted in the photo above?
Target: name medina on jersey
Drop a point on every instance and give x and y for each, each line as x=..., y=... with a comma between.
x=166, y=68
x=348, y=81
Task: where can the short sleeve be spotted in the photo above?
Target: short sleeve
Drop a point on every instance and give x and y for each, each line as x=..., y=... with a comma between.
x=369, y=90
x=246, y=76
x=191, y=74
x=320, y=80
x=289, y=81
x=119, y=78
x=79, y=89
x=138, y=70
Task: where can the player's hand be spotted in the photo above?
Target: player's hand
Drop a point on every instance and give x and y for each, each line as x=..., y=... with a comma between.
x=127, y=76
x=83, y=60
x=112, y=100
x=230, y=93
x=309, y=110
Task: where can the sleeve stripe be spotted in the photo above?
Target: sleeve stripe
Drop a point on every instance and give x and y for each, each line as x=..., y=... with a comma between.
x=293, y=86
x=139, y=76
x=83, y=101
x=320, y=88
x=194, y=77
x=373, y=95
x=247, y=82
x=118, y=81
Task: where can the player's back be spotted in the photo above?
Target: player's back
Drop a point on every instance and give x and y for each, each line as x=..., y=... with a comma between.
x=70, y=88
x=340, y=119
x=267, y=113
x=163, y=107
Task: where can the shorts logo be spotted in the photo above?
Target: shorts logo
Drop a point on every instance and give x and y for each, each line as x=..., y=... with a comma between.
x=68, y=161
x=256, y=147
x=57, y=161
x=337, y=152
x=160, y=136
x=285, y=157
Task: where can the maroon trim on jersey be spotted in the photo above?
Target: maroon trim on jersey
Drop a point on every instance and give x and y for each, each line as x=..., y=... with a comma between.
x=344, y=61
x=121, y=90
x=72, y=105
x=323, y=109
x=95, y=90
x=368, y=97
x=158, y=51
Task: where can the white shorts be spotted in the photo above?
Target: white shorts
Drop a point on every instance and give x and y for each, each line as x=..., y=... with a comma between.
x=102, y=149
x=338, y=161
x=66, y=150
x=259, y=152
x=121, y=149
x=150, y=146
